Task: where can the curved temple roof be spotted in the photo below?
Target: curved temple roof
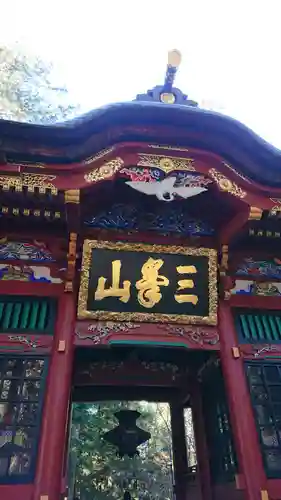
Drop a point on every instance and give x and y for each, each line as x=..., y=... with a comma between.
x=164, y=116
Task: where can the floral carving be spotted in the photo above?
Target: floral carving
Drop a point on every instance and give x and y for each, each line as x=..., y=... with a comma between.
x=98, y=331
x=106, y=171
x=197, y=335
x=260, y=350
x=166, y=163
x=24, y=340
x=226, y=184
x=140, y=367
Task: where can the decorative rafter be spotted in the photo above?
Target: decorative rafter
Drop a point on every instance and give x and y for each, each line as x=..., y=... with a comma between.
x=30, y=181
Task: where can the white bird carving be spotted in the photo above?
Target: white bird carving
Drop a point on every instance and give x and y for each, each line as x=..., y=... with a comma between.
x=165, y=190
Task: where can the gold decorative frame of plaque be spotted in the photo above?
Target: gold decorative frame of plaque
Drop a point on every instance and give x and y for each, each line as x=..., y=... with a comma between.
x=101, y=315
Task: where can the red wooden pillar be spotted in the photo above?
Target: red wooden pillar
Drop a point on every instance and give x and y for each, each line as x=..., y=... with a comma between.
x=241, y=413
x=54, y=426
x=201, y=442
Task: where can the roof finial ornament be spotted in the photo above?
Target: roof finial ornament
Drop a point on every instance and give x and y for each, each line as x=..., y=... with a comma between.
x=174, y=60
x=167, y=94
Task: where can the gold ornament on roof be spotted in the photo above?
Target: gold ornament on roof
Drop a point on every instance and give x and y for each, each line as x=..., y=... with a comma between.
x=166, y=163
x=106, y=171
x=167, y=98
x=174, y=58
x=226, y=184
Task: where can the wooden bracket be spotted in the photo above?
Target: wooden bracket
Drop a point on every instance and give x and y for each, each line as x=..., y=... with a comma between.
x=72, y=196
x=71, y=262
x=44, y=497
x=255, y=213
x=235, y=352
x=61, y=346
x=224, y=260
x=264, y=495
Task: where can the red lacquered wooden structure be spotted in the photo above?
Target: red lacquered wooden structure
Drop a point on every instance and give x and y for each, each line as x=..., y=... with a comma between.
x=103, y=178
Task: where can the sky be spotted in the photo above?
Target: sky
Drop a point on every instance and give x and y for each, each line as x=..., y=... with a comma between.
x=110, y=50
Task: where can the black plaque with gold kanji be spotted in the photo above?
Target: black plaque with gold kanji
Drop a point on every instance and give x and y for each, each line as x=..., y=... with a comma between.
x=138, y=282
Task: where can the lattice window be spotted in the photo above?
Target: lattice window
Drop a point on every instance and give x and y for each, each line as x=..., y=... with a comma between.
x=265, y=387
x=258, y=326
x=223, y=462
x=27, y=314
x=21, y=395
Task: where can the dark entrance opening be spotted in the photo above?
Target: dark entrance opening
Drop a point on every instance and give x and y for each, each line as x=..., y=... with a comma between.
x=163, y=385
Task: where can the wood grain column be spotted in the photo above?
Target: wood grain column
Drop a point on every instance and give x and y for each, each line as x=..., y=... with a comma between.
x=241, y=412
x=55, y=413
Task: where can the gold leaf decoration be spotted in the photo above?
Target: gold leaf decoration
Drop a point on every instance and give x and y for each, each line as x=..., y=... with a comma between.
x=106, y=171
x=30, y=181
x=166, y=163
x=226, y=184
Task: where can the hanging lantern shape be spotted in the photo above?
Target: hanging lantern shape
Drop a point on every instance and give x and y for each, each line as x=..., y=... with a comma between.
x=127, y=436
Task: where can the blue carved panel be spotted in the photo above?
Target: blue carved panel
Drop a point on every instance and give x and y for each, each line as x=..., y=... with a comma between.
x=17, y=250
x=270, y=268
x=167, y=219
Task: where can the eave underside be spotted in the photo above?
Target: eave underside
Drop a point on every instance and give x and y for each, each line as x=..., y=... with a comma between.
x=154, y=123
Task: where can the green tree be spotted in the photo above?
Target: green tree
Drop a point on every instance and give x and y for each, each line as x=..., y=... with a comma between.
x=27, y=89
x=100, y=473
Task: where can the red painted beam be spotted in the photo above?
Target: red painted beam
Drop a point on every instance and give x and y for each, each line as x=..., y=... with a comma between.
x=23, y=288
x=255, y=302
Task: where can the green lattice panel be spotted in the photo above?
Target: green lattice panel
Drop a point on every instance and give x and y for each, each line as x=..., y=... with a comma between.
x=27, y=314
x=258, y=326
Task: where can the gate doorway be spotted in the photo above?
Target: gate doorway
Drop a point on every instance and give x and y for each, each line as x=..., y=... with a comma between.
x=161, y=384
x=148, y=475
